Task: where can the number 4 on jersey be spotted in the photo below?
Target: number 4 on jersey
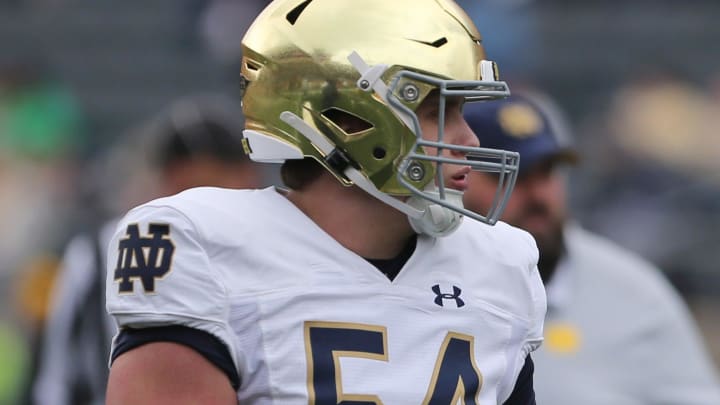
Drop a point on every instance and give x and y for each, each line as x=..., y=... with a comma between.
x=454, y=378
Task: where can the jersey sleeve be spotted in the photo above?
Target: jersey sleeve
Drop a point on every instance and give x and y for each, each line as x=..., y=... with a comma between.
x=159, y=274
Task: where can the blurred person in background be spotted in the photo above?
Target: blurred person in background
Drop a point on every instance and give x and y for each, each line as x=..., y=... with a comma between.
x=41, y=139
x=665, y=128
x=41, y=142
x=616, y=332
x=196, y=142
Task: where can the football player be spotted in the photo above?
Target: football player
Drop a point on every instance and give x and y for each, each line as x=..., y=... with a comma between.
x=360, y=283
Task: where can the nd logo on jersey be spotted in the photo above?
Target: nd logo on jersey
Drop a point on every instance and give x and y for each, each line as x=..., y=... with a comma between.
x=143, y=258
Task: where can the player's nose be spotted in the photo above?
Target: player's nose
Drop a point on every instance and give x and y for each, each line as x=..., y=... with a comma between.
x=465, y=135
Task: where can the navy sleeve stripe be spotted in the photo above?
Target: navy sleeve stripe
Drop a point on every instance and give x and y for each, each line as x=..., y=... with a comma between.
x=523, y=393
x=203, y=342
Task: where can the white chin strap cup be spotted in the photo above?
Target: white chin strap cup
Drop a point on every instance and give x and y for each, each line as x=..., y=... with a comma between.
x=436, y=220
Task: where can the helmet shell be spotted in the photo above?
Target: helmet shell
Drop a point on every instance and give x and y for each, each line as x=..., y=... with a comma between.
x=295, y=58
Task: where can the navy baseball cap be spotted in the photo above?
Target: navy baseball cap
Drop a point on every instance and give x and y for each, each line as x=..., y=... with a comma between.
x=520, y=124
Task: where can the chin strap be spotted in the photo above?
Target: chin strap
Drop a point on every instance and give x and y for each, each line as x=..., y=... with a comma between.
x=328, y=149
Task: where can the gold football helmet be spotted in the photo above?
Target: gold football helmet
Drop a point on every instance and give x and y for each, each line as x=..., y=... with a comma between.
x=308, y=64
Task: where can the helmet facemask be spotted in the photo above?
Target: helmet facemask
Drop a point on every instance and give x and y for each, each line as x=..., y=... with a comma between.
x=435, y=209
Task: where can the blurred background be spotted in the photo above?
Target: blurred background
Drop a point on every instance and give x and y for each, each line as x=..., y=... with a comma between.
x=639, y=81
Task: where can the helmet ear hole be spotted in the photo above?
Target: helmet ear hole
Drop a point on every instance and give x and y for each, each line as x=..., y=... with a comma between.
x=251, y=65
x=250, y=69
x=349, y=123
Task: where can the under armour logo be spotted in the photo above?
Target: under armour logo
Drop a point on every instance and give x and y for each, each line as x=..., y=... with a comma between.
x=143, y=258
x=440, y=296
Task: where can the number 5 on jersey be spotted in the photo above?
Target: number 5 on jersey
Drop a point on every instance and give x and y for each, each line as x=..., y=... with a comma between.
x=454, y=378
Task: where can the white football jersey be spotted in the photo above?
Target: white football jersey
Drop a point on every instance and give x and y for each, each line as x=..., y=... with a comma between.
x=309, y=321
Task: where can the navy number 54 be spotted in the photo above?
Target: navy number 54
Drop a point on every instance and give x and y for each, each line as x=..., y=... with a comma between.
x=455, y=375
